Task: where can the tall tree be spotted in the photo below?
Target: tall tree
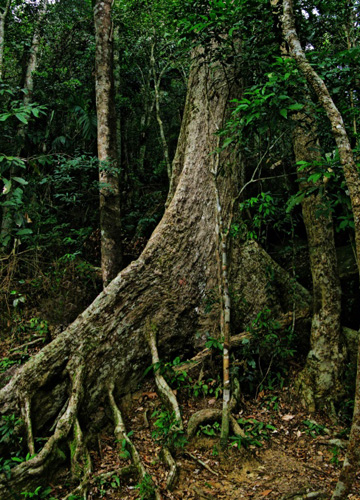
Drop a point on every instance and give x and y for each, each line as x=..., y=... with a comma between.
x=352, y=178
x=164, y=290
x=110, y=224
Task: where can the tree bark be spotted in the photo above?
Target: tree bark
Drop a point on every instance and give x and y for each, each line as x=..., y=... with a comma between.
x=319, y=383
x=33, y=60
x=353, y=183
x=352, y=457
x=336, y=121
x=2, y=36
x=111, y=252
x=157, y=80
x=168, y=289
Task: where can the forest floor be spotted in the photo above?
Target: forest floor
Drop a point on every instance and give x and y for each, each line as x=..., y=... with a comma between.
x=299, y=453
x=289, y=454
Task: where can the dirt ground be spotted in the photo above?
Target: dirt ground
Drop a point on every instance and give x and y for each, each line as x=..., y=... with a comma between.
x=297, y=460
x=293, y=455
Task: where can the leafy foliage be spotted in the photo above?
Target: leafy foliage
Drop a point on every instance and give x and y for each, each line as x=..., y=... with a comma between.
x=265, y=353
x=255, y=433
x=167, y=431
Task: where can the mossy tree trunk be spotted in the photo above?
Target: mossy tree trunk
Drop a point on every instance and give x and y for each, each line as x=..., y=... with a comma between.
x=62, y=393
x=110, y=224
x=67, y=382
x=320, y=381
x=352, y=178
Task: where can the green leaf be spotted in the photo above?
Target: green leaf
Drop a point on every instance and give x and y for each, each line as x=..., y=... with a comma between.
x=283, y=112
x=7, y=186
x=20, y=180
x=227, y=141
x=22, y=117
x=4, y=117
x=296, y=106
x=315, y=177
x=22, y=232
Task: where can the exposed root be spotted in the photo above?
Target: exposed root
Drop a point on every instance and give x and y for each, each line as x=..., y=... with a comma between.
x=165, y=392
x=61, y=413
x=303, y=494
x=81, y=465
x=174, y=472
x=26, y=474
x=120, y=434
x=211, y=415
x=123, y=472
x=26, y=410
x=28, y=471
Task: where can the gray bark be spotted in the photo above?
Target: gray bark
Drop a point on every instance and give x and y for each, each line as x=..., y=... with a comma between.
x=319, y=383
x=352, y=178
x=167, y=288
x=110, y=224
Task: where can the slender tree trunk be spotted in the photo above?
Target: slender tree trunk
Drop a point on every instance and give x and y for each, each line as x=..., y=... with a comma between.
x=157, y=80
x=111, y=252
x=353, y=183
x=336, y=121
x=319, y=383
x=34, y=57
x=28, y=86
x=117, y=90
x=350, y=45
x=225, y=312
x=352, y=457
x=145, y=120
x=2, y=36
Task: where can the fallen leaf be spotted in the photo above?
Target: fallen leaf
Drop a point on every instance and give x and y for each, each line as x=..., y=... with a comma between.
x=265, y=493
x=150, y=395
x=287, y=417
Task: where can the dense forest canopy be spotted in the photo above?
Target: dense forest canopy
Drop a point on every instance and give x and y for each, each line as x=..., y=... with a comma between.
x=175, y=175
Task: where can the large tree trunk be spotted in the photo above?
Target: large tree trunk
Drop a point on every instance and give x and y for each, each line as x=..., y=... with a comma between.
x=319, y=383
x=164, y=289
x=65, y=386
x=111, y=252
